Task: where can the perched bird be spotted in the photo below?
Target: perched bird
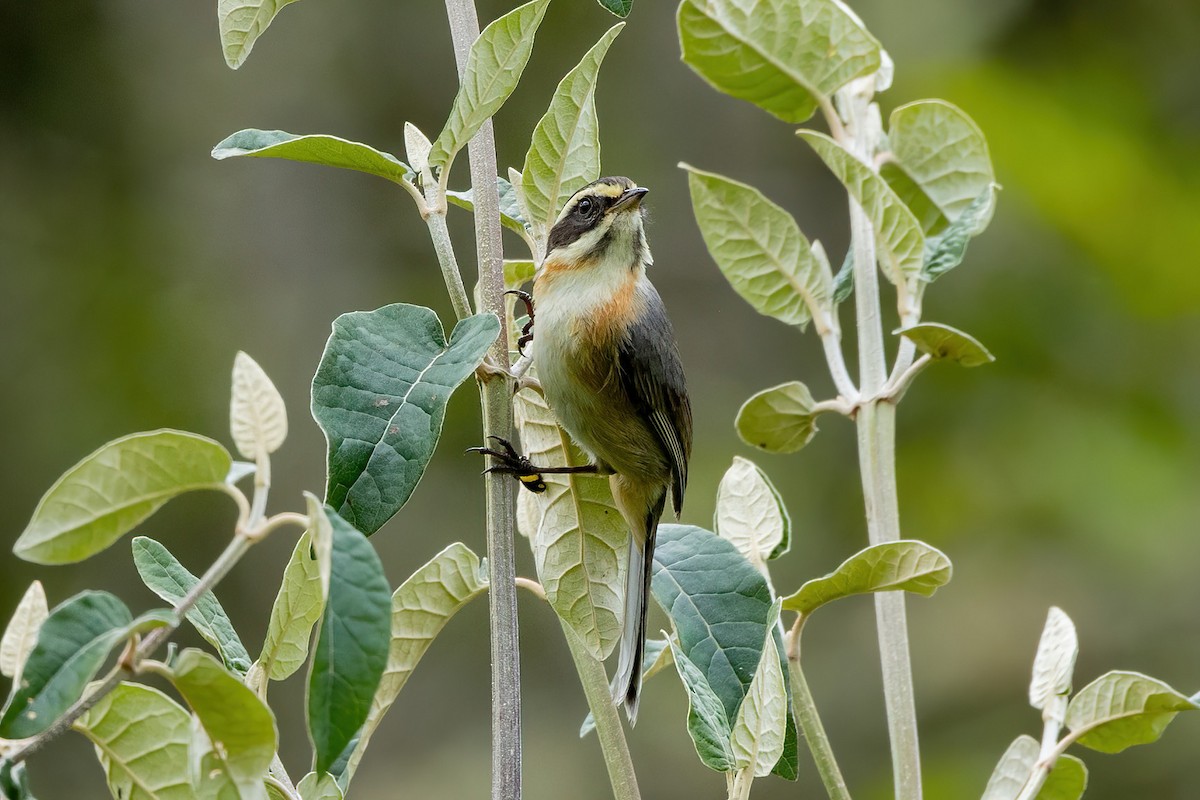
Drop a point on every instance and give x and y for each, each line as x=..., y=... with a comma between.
x=609, y=367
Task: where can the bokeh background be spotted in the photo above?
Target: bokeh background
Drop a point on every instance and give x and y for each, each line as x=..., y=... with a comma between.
x=133, y=267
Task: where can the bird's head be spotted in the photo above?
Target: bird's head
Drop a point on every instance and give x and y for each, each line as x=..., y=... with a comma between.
x=601, y=223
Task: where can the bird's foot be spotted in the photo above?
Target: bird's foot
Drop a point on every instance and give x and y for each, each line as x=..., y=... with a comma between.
x=527, y=331
x=512, y=463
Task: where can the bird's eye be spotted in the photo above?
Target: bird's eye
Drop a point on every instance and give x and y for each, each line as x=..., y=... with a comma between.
x=584, y=206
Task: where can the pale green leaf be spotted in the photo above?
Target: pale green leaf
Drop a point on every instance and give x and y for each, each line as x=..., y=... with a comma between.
x=241, y=22
x=494, y=66
x=518, y=272
x=708, y=722
x=312, y=787
x=297, y=608
x=22, y=632
x=943, y=342
x=946, y=251
x=240, y=727
x=108, y=493
x=898, y=236
x=380, y=397
x=257, y=416
x=171, y=581
x=141, y=738
x=416, y=148
x=761, y=724
x=579, y=538
x=321, y=534
x=760, y=250
x=906, y=565
x=421, y=607
x=779, y=420
x=750, y=514
x=331, y=151
x=1121, y=709
x=1054, y=663
x=785, y=56
x=1066, y=781
x=510, y=212
x=564, y=152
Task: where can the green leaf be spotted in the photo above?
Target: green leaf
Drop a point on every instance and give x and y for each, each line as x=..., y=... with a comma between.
x=943, y=342
x=14, y=781
x=323, y=788
x=332, y=151
x=779, y=420
x=906, y=565
x=72, y=644
x=947, y=250
x=416, y=148
x=518, y=272
x=843, y=282
x=494, y=67
x=1121, y=709
x=785, y=56
x=898, y=236
x=141, y=738
x=108, y=493
x=564, y=152
x=22, y=632
x=721, y=608
x=510, y=212
x=760, y=728
x=760, y=250
x=579, y=538
x=708, y=722
x=943, y=156
x=1067, y=780
x=241, y=728
x=751, y=515
x=380, y=395
x=241, y=23
x=171, y=581
x=257, y=416
x=421, y=607
x=1055, y=660
x=619, y=7
x=297, y=608
x=352, y=649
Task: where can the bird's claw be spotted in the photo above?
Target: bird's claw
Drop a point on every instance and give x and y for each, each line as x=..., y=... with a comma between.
x=512, y=463
x=526, y=331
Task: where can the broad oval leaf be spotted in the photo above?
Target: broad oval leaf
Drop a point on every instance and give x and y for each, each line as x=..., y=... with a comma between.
x=779, y=420
x=906, y=565
x=380, y=395
x=708, y=722
x=898, y=236
x=241, y=728
x=760, y=727
x=141, y=738
x=297, y=608
x=1067, y=780
x=1054, y=663
x=785, y=56
x=750, y=513
x=943, y=342
x=941, y=161
x=1121, y=709
x=331, y=151
x=108, y=493
x=721, y=607
x=352, y=649
x=760, y=250
x=171, y=581
x=510, y=212
x=493, y=68
x=564, y=152
x=416, y=148
x=241, y=22
x=619, y=7
x=257, y=416
x=421, y=607
x=579, y=537
x=72, y=644
x=22, y=632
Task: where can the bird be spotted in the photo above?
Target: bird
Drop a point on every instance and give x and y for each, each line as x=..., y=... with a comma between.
x=609, y=368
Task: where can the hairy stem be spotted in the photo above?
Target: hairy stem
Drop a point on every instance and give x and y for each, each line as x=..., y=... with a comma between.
x=497, y=421
x=608, y=723
x=810, y=721
x=440, y=235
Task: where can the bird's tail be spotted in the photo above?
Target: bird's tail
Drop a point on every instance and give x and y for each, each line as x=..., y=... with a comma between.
x=627, y=683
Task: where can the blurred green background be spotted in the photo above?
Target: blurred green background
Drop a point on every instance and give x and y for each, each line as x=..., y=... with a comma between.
x=133, y=267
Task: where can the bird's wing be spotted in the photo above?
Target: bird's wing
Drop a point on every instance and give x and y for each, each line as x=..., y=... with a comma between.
x=652, y=377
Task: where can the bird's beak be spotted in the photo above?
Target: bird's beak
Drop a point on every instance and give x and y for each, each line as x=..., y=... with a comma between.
x=631, y=198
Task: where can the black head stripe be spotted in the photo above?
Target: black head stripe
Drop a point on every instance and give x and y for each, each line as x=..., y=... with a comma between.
x=576, y=220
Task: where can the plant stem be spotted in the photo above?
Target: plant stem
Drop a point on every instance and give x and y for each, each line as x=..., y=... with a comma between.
x=440, y=235
x=877, y=463
x=608, y=723
x=496, y=394
x=810, y=721
x=742, y=781
x=1051, y=748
